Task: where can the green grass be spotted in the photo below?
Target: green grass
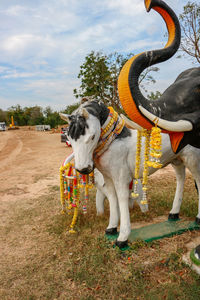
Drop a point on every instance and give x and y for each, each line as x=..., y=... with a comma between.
x=41, y=260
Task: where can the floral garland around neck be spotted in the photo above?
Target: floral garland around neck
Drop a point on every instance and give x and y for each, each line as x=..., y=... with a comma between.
x=110, y=129
x=71, y=182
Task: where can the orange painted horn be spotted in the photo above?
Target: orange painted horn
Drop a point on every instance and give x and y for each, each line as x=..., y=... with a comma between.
x=130, y=95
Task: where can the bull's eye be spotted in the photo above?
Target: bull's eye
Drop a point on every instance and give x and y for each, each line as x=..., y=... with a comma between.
x=93, y=137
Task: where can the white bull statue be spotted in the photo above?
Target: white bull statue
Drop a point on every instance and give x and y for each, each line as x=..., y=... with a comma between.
x=102, y=194
x=100, y=139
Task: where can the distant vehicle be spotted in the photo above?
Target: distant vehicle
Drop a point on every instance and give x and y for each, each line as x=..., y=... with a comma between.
x=64, y=138
x=63, y=132
x=43, y=127
x=12, y=125
x=2, y=126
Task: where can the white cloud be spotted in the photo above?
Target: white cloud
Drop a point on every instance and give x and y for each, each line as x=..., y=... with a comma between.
x=22, y=46
x=44, y=42
x=15, y=10
x=127, y=7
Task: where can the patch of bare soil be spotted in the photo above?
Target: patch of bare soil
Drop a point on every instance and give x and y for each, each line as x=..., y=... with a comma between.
x=29, y=165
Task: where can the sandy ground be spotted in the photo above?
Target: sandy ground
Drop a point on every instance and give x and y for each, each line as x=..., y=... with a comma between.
x=29, y=164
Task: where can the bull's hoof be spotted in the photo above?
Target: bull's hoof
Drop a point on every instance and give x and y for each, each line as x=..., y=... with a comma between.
x=111, y=231
x=173, y=217
x=121, y=245
x=197, y=220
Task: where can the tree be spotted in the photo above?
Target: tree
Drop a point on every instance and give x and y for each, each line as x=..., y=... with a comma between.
x=146, y=78
x=18, y=115
x=2, y=115
x=70, y=108
x=190, y=25
x=94, y=74
x=154, y=96
x=115, y=64
x=33, y=115
x=99, y=76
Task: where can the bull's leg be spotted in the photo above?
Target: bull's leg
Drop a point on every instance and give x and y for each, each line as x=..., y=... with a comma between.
x=195, y=170
x=180, y=179
x=122, y=190
x=114, y=208
x=100, y=197
x=192, y=162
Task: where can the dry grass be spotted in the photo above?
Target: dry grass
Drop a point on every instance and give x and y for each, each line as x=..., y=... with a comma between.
x=40, y=260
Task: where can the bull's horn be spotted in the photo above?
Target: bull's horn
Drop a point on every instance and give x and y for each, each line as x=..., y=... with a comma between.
x=128, y=83
x=130, y=123
x=179, y=126
x=84, y=113
x=65, y=117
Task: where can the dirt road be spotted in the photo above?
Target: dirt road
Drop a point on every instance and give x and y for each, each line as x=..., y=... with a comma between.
x=29, y=164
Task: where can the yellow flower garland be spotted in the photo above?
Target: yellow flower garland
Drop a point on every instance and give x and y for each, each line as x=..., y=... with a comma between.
x=135, y=194
x=76, y=196
x=146, y=134
x=153, y=140
x=62, y=196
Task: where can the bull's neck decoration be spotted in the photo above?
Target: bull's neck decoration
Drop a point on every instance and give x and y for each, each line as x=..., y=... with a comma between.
x=71, y=183
x=109, y=131
x=177, y=111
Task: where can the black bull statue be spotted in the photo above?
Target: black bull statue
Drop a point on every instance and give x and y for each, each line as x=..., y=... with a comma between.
x=177, y=111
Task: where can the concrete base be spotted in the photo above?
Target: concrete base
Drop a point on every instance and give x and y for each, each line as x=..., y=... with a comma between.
x=186, y=257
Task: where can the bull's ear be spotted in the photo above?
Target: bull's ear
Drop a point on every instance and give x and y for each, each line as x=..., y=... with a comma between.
x=87, y=99
x=84, y=99
x=84, y=113
x=65, y=117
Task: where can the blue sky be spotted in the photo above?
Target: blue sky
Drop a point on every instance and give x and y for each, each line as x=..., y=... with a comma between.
x=44, y=42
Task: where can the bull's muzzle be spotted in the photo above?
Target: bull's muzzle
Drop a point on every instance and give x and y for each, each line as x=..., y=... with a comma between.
x=87, y=170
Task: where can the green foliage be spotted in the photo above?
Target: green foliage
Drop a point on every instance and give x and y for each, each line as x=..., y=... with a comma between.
x=95, y=76
x=190, y=25
x=70, y=108
x=154, y=96
x=99, y=76
x=17, y=113
x=146, y=78
x=2, y=116
x=35, y=115
x=51, y=117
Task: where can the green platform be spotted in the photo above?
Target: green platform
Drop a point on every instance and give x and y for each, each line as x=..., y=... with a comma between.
x=158, y=231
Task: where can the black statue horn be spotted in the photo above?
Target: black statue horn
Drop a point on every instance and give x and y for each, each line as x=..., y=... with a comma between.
x=178, y=109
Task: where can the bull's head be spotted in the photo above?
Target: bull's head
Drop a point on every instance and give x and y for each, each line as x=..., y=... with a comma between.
x=83, y=133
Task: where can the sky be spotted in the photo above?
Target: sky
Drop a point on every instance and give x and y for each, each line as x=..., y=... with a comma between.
x=44, y=42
